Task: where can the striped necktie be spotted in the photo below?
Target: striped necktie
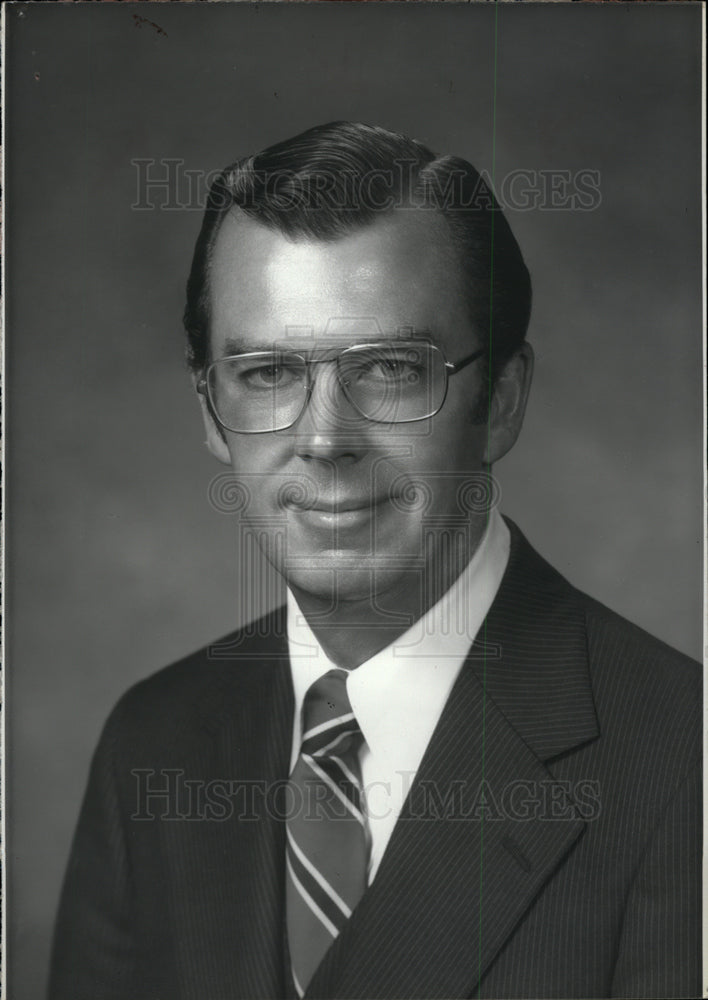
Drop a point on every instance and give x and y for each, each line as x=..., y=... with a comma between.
x=327, y=835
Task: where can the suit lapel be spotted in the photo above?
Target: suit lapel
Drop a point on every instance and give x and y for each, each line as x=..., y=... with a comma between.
x=480, y=833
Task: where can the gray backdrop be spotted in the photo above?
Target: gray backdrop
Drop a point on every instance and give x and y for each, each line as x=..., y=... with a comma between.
x=117, y=562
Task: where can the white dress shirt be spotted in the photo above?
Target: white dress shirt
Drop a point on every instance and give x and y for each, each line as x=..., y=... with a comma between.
x=398, y=695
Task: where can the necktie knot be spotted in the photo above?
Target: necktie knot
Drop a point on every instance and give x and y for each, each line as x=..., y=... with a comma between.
x=329, y=724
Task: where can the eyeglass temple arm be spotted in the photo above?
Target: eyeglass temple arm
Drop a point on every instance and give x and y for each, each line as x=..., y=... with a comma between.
x=454, y=367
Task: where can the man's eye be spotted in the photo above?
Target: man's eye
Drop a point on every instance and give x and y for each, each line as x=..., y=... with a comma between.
x=392, y=366
x=389, y=370
x=268, y=376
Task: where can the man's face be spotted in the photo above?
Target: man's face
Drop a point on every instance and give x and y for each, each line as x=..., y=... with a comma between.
x=342, y=506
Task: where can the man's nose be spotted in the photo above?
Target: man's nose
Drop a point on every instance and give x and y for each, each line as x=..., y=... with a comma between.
x=330, y=428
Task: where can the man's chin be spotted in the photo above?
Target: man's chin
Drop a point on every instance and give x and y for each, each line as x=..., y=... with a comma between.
x=341, y=580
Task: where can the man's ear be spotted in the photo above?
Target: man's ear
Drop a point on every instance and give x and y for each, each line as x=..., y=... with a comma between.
x=511, y=391
x=215, y=440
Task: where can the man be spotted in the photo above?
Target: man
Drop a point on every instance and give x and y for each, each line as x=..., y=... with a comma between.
x=440, y=771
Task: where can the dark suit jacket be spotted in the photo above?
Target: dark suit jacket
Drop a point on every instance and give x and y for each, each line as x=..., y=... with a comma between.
x=549, y=847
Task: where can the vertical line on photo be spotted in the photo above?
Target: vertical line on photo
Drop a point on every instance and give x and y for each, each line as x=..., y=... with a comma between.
x=3, y=518
x=489, y=414
x=705, y=493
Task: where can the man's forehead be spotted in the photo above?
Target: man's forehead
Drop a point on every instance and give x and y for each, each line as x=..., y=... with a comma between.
x=406, y=244
x=395, y=278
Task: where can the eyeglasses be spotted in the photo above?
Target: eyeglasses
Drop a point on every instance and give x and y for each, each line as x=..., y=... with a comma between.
x=395, y=382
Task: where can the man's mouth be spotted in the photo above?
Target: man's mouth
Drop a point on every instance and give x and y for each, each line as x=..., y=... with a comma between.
x=342, y=512
x=346, y=505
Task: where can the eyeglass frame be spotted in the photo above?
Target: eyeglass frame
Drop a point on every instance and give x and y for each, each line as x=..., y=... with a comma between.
x=450, y=368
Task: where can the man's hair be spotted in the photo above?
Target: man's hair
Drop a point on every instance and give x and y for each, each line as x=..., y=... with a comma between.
x=337, y=178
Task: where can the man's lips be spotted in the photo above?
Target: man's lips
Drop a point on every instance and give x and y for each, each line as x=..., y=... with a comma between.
x=345, y=514
x=340, y=506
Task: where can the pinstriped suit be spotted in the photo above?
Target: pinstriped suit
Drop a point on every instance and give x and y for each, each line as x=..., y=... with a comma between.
x=549, y=847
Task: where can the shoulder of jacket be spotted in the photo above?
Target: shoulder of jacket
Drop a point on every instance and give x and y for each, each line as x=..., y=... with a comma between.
x=649, y=690
x=178, y=697
x=606, y=627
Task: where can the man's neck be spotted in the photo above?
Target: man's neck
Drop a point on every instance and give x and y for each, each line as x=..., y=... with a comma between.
x=351, y=631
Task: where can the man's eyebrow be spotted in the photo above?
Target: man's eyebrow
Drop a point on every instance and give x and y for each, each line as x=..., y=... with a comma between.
x=235, y=345
x=232, y=345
